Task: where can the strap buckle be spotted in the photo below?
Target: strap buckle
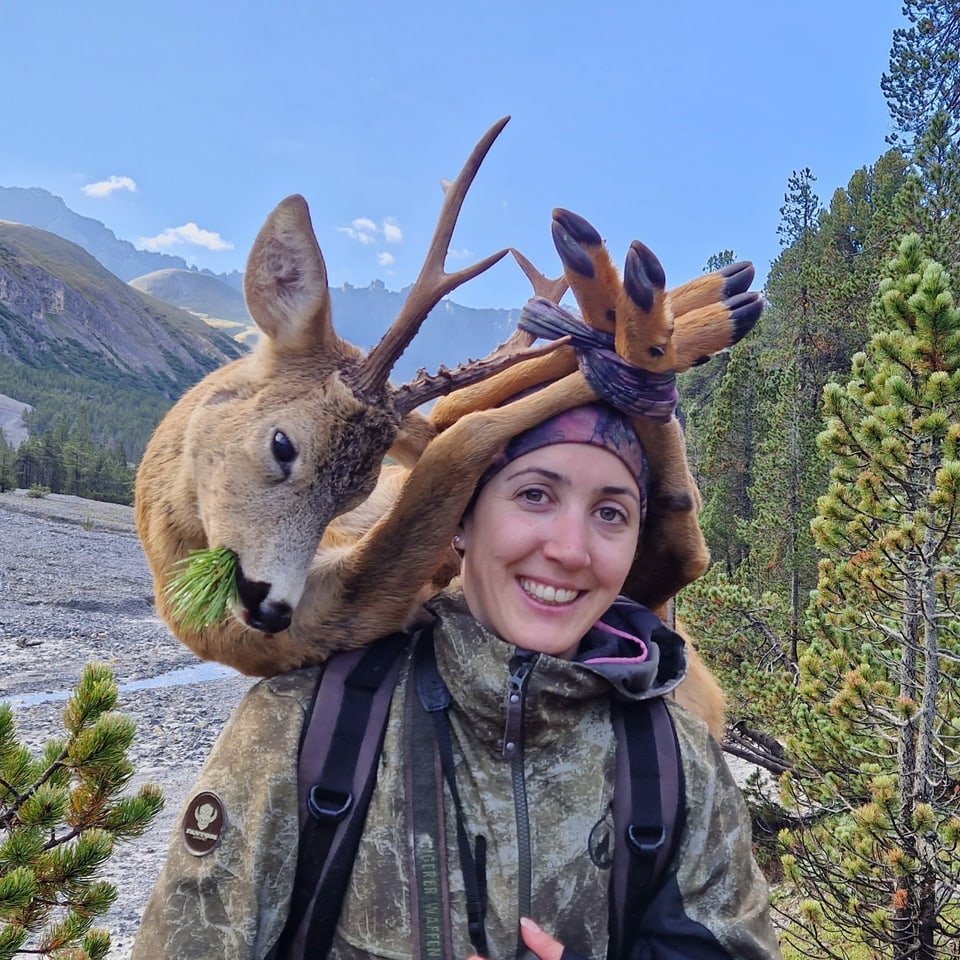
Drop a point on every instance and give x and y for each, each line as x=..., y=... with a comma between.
x=329, y=805
x=645, y=841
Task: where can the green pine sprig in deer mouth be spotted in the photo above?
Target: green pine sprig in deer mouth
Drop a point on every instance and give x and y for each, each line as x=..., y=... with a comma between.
x=203, y=588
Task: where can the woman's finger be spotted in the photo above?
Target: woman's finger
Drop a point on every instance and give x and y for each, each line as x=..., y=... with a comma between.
x=539, y=941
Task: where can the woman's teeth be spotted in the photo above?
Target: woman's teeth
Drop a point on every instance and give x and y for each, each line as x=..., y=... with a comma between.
x=548, y=594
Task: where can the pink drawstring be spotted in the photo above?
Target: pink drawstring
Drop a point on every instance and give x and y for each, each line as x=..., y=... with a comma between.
x=606, y=628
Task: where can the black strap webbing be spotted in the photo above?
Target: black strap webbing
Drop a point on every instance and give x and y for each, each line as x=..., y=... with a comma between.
x=338, y=764
x=648, y=816
x=434, y=698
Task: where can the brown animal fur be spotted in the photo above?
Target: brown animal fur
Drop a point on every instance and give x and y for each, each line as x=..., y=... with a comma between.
x=353, y=555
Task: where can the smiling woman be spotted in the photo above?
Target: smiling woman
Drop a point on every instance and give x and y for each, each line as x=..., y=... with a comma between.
x=553, y=533
x=539, y=660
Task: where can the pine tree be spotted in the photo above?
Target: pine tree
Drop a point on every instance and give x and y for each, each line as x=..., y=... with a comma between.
x=924, y=73
x=7, y=478
x=60, y=815
x=786, y=463
x=929, y=202
x=877, y=740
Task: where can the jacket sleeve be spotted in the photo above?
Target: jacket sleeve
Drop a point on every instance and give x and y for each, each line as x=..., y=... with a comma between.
x=714, y=903
x=231, y=902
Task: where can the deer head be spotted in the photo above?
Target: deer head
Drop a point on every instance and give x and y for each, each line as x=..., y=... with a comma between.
x=264, y=453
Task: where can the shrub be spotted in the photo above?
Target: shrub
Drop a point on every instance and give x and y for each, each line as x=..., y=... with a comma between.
x=60, y=815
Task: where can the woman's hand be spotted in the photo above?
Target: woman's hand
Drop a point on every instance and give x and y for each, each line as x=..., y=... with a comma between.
x=541, y=944
x=539, y=941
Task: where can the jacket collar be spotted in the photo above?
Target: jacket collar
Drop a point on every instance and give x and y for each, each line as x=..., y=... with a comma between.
x=477, y=666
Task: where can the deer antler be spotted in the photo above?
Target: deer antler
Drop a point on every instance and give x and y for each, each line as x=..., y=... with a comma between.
x=434, y=282
x=426, y=386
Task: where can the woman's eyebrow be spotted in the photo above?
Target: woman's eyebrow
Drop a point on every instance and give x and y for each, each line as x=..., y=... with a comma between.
x=552, y=475
x=619, y=492
x=541, y=472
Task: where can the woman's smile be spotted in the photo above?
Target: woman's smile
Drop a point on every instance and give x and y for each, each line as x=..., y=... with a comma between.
x=549, y=543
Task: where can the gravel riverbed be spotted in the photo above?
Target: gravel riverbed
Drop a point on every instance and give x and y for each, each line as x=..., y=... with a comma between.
x=75, y=588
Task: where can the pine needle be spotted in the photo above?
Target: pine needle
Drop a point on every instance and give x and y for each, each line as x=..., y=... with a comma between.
x=202, y=587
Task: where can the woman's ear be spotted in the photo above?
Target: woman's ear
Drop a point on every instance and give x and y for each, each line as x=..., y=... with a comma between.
x=459, y=540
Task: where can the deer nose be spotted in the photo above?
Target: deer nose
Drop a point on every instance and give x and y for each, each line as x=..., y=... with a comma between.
x=270, y=617
x=258, y=612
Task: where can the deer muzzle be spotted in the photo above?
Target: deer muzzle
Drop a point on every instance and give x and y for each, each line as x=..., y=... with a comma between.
x=259, y=612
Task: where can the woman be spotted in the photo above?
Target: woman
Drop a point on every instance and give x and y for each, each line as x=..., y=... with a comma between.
x=532, y=671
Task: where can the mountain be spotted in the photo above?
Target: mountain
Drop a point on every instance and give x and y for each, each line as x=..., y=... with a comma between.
x=87, y=351
x=36, y=207
x=450, y=335
x=203, y=294
x=61, y=309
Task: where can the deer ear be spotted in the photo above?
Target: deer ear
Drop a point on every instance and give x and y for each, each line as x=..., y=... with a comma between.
x=286, y=279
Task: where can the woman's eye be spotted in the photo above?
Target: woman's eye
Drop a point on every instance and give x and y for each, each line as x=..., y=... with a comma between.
x=532, y=495
x=612, y=515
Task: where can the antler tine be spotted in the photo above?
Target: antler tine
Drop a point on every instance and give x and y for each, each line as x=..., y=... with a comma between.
x=434, y=282
x=552, y=290
x=427, y=387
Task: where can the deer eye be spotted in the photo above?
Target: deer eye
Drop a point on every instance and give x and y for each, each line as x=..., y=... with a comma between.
x=656, y=351
x=283, y=450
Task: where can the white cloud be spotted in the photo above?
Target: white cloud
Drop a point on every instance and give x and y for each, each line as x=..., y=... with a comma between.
x=385, y=259
x=188, y=235
x=463, y=254
x=364, y=230
x=103, y=188
x=392, y=232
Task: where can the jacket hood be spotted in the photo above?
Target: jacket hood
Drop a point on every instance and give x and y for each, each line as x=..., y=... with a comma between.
x=631, y=655
x=637, y=654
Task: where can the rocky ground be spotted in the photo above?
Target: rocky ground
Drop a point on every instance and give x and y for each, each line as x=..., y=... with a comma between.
x=75, y=588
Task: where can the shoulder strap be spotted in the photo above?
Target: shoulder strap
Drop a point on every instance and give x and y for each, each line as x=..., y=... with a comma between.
x=649, y=811
x=339, y=751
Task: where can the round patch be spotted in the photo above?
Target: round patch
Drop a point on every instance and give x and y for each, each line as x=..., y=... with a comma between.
x=600, y=844
x=203, y=823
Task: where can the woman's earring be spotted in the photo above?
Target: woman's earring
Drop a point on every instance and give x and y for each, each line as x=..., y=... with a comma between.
x=457, y=544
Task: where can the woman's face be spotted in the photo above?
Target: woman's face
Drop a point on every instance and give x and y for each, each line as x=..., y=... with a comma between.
x=548, y=545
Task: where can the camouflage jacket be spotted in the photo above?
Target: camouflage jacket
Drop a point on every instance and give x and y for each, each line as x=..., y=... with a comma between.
x=545, y=813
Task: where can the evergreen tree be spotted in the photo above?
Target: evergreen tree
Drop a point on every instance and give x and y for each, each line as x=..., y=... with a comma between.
x=786, y=466
x=727, y=457
x=929, y=202
x=698, y=385
x=877, y=741
x=7, y=478
x=60, y=815
x=924, y=73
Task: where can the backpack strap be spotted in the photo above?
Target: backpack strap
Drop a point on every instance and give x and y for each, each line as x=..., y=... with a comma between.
x=339, y=751
x=649, y=812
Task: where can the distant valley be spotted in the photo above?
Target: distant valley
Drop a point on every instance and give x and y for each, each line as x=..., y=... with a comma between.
x=87, y=320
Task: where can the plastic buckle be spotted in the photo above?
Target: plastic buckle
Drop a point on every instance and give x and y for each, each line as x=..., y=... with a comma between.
x=326, y=804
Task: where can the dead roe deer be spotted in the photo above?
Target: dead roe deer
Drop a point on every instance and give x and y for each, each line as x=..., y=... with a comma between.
x=279, y=456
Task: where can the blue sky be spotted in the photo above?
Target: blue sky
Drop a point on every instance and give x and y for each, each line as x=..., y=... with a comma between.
x=181, y=124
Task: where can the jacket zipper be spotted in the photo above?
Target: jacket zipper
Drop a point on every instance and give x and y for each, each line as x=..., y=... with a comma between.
x=521, y=668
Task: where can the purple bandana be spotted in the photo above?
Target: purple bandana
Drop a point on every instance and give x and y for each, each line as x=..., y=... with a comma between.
x=630, y=389
x=597, y=424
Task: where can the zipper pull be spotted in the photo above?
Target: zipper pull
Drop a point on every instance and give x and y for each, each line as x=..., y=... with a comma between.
x=522, y=666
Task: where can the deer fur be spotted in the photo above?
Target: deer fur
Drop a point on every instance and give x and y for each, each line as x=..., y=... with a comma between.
x=278, y=456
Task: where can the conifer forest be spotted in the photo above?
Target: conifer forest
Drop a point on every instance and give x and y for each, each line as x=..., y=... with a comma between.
x=827, y=449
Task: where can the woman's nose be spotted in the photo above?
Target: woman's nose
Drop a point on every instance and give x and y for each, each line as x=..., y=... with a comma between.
x=567, y=543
